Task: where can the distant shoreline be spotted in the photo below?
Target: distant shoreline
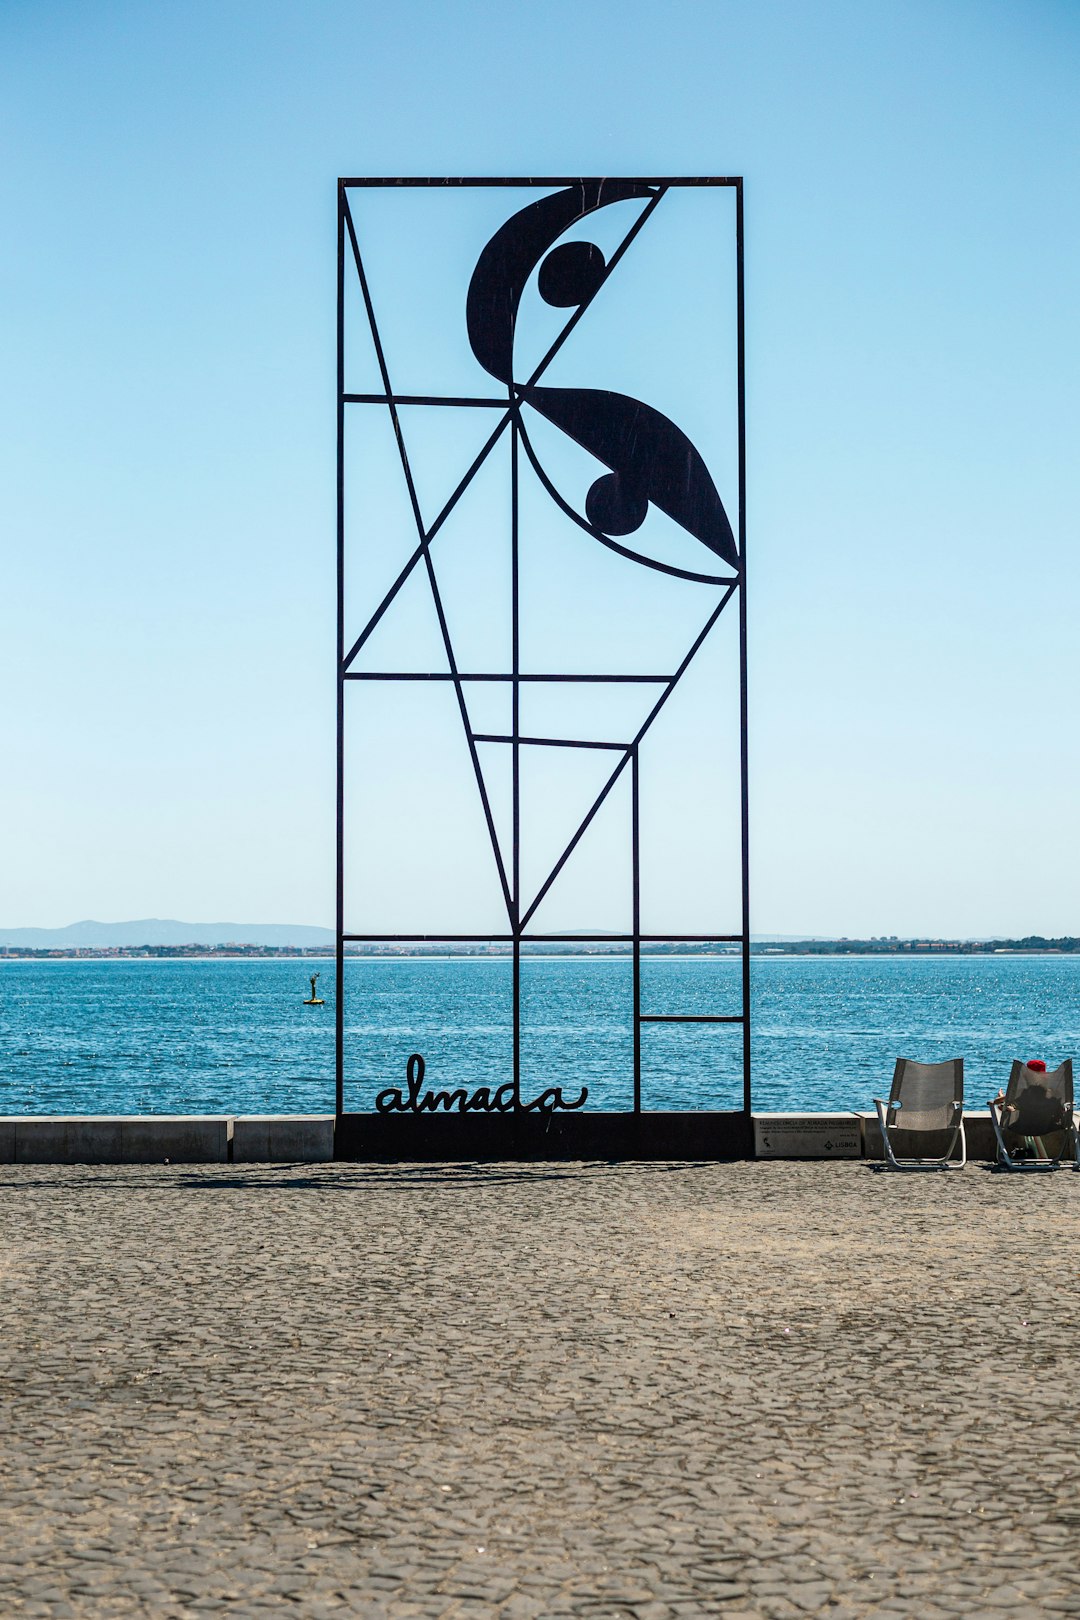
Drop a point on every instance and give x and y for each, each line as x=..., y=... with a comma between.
x=1034, y=945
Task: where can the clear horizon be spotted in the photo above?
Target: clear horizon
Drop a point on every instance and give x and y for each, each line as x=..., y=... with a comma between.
x=756, y=935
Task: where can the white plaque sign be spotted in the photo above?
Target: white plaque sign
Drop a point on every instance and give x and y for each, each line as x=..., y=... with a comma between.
x=807, y=1136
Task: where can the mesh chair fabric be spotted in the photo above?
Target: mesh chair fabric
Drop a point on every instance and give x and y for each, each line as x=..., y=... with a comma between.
x=927, y=1093
x=1037, y=1104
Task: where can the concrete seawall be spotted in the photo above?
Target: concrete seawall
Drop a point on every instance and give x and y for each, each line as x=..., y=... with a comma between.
x=309, y=1138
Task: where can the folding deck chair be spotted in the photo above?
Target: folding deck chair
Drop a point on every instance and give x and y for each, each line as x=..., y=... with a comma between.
x=1034, y=1116
x=927, y=1098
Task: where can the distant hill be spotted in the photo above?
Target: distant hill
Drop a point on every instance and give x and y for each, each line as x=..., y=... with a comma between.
x=166, y=931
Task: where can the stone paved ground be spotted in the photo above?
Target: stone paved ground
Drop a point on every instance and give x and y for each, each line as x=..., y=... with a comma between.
x=581, y=1390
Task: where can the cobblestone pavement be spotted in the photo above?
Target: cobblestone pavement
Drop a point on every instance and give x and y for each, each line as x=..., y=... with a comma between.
x=552, y=1390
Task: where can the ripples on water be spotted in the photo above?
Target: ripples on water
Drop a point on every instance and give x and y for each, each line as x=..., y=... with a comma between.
x=233, y=1037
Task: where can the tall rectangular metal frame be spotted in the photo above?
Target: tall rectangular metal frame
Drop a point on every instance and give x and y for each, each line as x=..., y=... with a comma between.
x=518, y=937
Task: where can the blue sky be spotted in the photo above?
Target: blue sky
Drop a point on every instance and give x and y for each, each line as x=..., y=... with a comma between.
x=166, y=442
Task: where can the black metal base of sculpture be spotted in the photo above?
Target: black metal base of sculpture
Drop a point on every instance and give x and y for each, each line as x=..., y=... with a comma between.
x=523, y=1136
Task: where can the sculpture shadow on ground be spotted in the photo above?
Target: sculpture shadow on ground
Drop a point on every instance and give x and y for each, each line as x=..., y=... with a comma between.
x=340, y=1178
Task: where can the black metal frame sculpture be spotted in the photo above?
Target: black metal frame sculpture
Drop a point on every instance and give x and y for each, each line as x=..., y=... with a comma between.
x=649, y=460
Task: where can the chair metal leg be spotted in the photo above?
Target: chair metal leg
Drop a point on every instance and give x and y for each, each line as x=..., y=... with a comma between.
x=890, y=1157
x=1006, y=1161
x=1005, y=1158
x=962, y=1160
x=893, y=1163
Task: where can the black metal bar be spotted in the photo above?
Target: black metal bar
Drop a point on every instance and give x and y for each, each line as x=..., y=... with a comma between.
x=620, y=767
x=420, y=399
x=468, y=478
x=373, y=622
x=744, y=757
x=425, y=548
x=502, y=675
x=427, y=538
x=474, y=756
x=383, y=372
x=339, y=871
x=515, y=688
x=549, y=742
x=691, y=1018
x=375, y=181
x=578, y=836
x=589, y=1135
x=425, y=542
x=515, y=728
x=635, y=864
x=546, y=939
x=638, y=225
x=389, y=399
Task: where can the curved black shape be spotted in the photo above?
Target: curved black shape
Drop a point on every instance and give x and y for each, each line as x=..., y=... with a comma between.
x=504, y=267
x=571, y=274
x=650, y=459
x=604, y=539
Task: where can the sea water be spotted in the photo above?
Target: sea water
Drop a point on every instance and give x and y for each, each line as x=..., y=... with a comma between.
x=233, y=1036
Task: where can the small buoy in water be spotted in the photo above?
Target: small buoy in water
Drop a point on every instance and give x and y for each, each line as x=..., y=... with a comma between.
x=313, y=1000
